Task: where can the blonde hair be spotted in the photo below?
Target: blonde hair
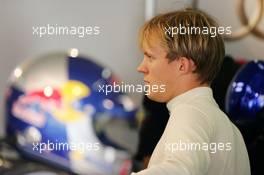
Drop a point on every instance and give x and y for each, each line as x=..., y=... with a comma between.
x=206, y=51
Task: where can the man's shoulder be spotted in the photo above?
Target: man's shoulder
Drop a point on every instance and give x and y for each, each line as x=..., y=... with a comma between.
x=196, y=114
x=188, y=107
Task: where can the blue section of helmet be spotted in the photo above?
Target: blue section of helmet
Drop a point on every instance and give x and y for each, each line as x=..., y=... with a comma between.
x=90, y=73
x=245, y=97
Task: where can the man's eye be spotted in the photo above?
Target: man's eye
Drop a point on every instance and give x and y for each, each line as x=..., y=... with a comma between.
x=150, y=57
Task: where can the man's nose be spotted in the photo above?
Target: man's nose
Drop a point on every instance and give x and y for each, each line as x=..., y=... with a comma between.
x=142, y=68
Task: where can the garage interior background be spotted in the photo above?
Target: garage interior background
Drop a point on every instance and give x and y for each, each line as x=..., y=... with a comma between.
x=116, y=45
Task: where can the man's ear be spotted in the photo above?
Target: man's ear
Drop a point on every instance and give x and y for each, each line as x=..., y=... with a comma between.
x=186, y=65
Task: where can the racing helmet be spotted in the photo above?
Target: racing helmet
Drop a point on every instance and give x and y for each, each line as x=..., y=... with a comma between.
x=58, y=112
x=245, y=95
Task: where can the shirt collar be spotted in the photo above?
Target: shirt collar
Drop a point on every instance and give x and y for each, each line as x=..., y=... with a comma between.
x=189, y=95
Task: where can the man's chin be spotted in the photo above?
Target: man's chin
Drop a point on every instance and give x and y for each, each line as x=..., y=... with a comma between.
x=156, y=97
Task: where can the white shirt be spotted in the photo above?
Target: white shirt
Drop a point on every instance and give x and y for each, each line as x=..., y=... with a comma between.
x=199, y=139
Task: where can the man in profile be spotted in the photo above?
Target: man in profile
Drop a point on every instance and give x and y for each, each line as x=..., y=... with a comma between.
x=186, y=65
